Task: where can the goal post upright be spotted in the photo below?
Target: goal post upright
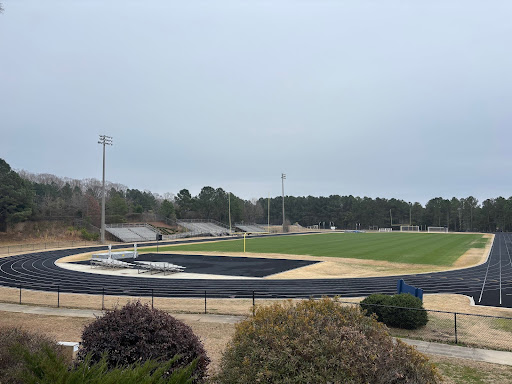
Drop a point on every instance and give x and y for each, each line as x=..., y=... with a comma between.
x=409, y=228
x=437, y=229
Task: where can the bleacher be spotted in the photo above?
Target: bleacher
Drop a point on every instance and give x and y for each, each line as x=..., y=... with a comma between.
x=204, y=227
x=130, y=233
x=251, y=228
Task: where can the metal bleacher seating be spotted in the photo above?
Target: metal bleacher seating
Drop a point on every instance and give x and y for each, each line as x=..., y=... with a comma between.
x=251, y=228
x=132, y=232
x=204, y=227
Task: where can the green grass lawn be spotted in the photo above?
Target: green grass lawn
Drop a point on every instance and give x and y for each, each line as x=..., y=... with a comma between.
x=432, y=248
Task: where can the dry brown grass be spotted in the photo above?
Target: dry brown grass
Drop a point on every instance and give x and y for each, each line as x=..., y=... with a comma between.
x=215, y=337
x=440, y=302
x=476, y=331
x=59, y=327
x=463, y=371
x=475, y=256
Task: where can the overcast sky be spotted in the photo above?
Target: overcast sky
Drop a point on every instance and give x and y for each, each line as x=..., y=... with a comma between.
x=406, y=99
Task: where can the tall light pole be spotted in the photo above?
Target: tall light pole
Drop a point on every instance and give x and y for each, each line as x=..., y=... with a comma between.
x=268, y=214
x=104, y=140
x=283, y=176
x=229, y=210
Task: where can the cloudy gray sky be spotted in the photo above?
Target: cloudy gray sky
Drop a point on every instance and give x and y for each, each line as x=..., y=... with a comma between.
x=407, y=99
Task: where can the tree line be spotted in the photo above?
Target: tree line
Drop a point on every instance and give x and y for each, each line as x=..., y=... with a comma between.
x=28, y=196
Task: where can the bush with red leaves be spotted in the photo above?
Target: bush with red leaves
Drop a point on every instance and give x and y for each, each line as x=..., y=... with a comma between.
x=136, y=333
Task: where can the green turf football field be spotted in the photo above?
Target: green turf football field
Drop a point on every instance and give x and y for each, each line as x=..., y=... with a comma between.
x=420, y=248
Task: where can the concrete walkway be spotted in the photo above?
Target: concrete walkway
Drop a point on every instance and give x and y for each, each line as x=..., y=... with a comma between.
x=477, y=354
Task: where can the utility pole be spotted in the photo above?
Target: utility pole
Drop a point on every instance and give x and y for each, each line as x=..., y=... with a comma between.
x=104, y=140
x=283, y=176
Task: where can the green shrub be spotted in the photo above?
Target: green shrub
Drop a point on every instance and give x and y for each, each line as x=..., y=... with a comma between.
x=319, y=342
x=11, y=341
x=382, y=306
x=406, y=318
x=375, y=304
x=86, y=235
x=46, y=367
x=136, y=333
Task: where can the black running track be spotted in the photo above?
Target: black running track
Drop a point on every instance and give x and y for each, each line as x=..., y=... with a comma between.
x=489, y=283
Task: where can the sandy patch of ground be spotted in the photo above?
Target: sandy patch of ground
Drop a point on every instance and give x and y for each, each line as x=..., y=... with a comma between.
x=475, y=256
x=345, y=268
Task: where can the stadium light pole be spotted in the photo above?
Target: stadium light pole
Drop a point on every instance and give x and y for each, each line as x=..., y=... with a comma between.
x=229, y=211
x=268, y=214
x=283, y=177
x=104, y=140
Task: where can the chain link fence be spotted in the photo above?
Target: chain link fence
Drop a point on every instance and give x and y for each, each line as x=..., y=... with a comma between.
x=483, y=331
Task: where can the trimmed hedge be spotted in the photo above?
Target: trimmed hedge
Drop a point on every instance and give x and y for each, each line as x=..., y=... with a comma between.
x=136, y=333
x=381, y=305
x=319, y=342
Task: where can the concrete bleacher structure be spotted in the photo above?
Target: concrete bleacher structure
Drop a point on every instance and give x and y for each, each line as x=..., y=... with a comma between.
x=204, y=227
x=251, y=228
x=132, y=232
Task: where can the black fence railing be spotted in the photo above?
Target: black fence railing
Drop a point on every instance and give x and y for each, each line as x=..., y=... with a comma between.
x=484, y=331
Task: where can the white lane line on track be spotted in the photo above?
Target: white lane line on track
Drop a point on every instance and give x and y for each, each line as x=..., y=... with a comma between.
x=487, y=270
x=500, y=272
x=509, y=257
